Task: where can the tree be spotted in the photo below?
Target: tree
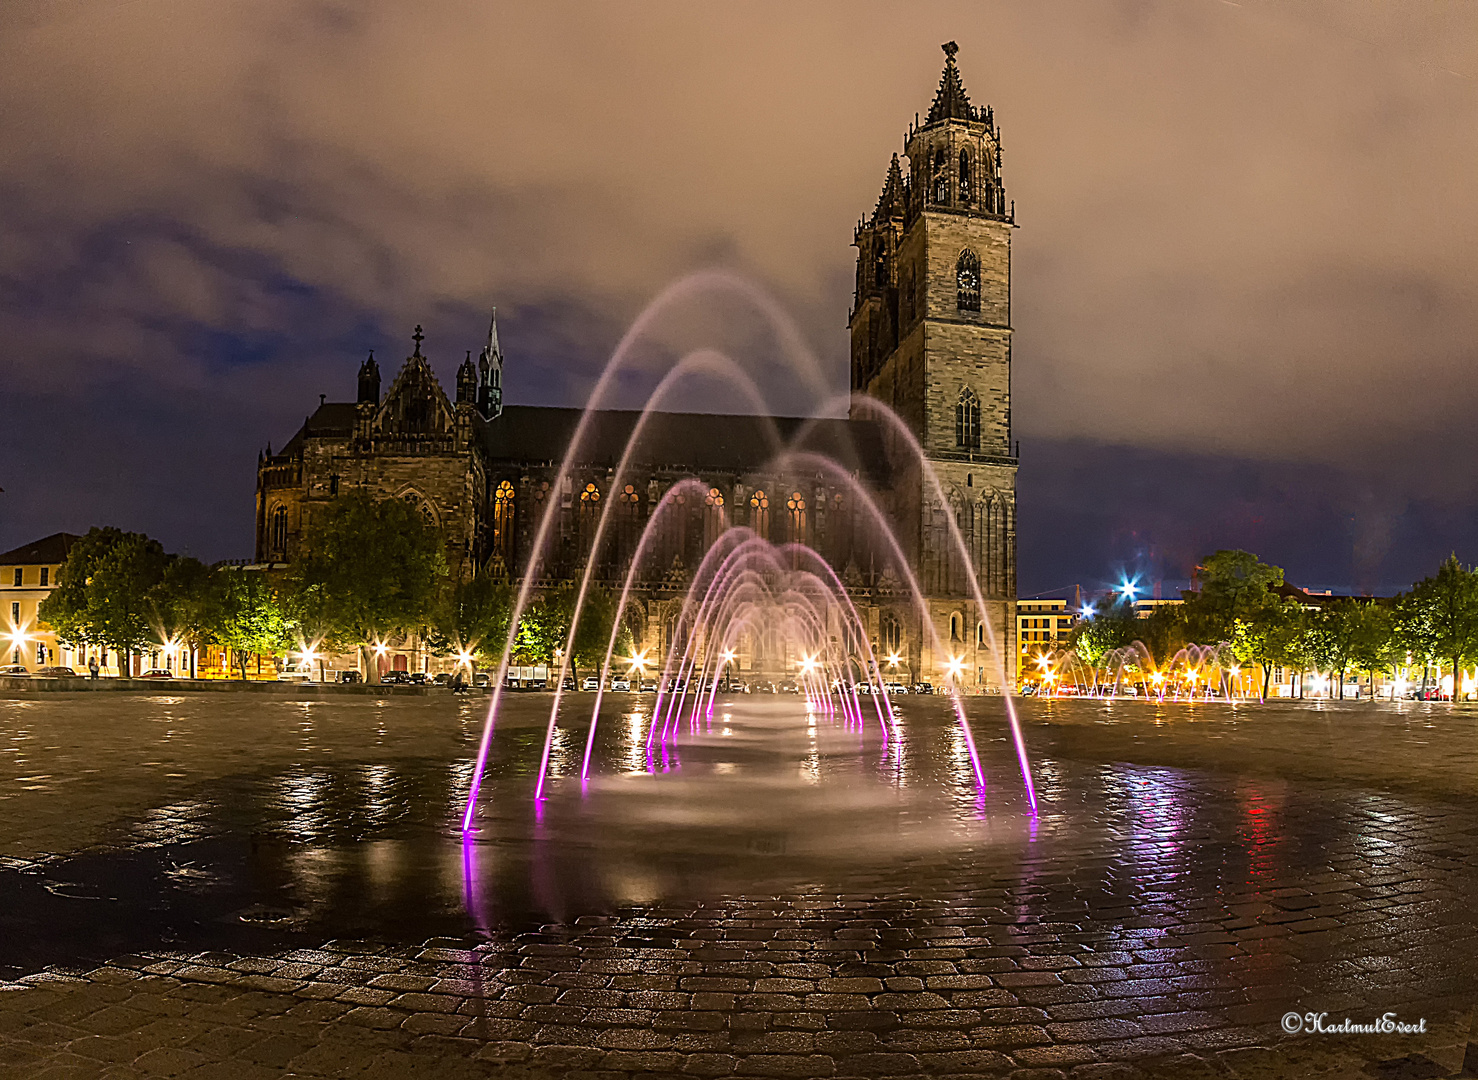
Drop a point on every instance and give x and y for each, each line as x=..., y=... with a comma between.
x=1271, y=636
x=187, y=604
x=1446, y=607
x=370, y=568
x=103, y=592
x=1374, y=646
x=542, y=630
x=1234, y=585
x=1110, y=627
x=250, y=618
x=472, y=616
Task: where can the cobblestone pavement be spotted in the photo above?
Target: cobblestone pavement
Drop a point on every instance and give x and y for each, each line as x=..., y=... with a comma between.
x=1154, y=921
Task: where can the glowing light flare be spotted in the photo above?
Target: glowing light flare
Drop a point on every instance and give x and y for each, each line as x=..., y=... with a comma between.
x=894, y=660
x=955, y=667
x=809, y=664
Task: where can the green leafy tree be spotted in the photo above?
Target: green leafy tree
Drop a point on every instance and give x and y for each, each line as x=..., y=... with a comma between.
x=1110, y=627
x=1415, y=634
x=1234, y=585
x=103, y=593
x=1271, y=637
x=1375, y=647
x=187, y=604
x=542, y=630
x=250, y=617
x=473, y=616
x=1446, y=606
x=1339, y=626
x=370, y=568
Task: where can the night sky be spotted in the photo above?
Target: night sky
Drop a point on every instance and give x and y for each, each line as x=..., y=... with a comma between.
x=1244, y=281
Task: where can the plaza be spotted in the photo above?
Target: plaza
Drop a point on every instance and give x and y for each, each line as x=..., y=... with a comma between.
x=222, y=885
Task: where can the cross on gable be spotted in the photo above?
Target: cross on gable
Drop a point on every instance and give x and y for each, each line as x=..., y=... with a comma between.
x=418, y=337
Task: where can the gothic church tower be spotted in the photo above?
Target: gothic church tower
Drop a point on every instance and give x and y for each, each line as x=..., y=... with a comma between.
x=931, y=337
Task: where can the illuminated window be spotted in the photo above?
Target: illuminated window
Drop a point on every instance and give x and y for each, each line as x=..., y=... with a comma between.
x=591, y=494
x=967, y=420
x=503, y=520
x=19, y=576
x=45, y=576
x=967, y=281
x=759, y=514
x=628, y=494
x=713, y=516
x=941, y=179
x=796, y=508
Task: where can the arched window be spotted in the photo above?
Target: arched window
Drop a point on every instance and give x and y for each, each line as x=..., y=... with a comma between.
x=967, y=281
x=279, y=531
x=954, y=627
x=415, y=500
x=796, y=505
x=941, y=179
x=503, y=520
x=713, y=517
x=891, y=634
x=964, y=178
x=880, y=267
x=980, y=635
x=759, y=514
x=589, y=513
x=967, y=420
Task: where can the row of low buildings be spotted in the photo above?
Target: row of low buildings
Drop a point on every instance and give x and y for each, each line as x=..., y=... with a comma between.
x=29, y=573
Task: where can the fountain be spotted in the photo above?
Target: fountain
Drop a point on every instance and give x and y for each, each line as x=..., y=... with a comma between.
x=745, y=585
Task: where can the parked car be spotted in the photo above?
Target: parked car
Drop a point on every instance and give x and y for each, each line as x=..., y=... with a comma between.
x=923, y=688
x=482, y=680
x=590, y=682
x=290, y=673
x=162, y=673
x=620, y=684
x=349, y=677
x=56, y=671
x=895, y=688
x=14, y=671
x=396, y=678
x=419, y=678
x=649, y=686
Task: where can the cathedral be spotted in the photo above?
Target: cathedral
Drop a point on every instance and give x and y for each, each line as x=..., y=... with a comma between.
x=930, y=337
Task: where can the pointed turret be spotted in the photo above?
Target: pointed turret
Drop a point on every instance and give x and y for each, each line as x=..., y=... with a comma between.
x=950, y=101
x=490, y=374
x=891, y=203
x=467, y=381
x=369, y=382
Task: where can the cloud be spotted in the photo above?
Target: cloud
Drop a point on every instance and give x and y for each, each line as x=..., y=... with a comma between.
x=1245, y=230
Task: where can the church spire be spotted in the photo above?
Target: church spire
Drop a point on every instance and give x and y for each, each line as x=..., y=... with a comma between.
x=490, y=374
x=950, y=101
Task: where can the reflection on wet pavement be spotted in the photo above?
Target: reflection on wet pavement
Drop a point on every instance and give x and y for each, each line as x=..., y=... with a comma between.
x=776, y=893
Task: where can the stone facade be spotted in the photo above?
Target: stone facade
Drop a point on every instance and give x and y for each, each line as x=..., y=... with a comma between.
x=928, y=339
x=931, y=337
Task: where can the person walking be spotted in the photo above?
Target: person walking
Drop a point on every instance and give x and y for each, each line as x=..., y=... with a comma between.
x=92, y=666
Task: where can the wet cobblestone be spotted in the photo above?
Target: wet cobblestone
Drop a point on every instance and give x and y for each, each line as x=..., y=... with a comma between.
x=1158, y=922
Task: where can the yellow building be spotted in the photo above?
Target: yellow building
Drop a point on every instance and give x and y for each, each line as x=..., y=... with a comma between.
x=27, y=576
x=1042, y=626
